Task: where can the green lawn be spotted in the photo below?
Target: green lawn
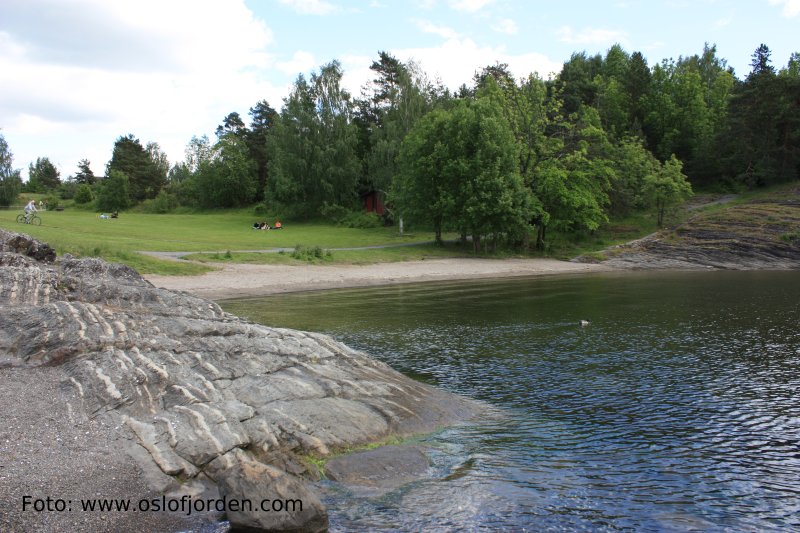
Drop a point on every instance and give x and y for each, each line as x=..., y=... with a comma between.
x=211, y=235
x=82, y=233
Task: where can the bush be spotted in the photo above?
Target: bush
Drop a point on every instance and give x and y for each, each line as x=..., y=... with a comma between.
x=342, y=216
x=310, y=254
x=83, y=194
x=163, y=203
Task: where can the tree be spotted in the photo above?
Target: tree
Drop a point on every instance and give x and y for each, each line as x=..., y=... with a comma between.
x=459, y=169
x=85, y=174
x=146, y=176
x=761, y=62
x=228, y=179
x=667, y=187
x=232, y=123
x=314, y=162
x=10, y=181
x=399, y=98
x=574, y=180
x=113, y=192
x=262, y=118
x=43, y=176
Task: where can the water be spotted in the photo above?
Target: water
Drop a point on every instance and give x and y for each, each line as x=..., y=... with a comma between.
x=676, y=409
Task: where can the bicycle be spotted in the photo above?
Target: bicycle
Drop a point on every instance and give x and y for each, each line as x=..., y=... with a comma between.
x=33, y=218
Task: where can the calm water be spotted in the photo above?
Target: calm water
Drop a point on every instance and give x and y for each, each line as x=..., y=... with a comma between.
x=677, y=408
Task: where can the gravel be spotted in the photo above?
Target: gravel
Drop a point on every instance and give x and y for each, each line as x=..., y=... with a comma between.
x=48, y=448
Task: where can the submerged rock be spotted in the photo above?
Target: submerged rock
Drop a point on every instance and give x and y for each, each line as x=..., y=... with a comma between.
x=208, y=402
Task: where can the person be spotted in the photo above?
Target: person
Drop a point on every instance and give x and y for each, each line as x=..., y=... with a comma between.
x=278, y=224
x=30, y=209
x=264, y=225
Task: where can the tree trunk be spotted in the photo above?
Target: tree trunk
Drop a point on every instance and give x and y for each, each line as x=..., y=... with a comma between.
x=476, y=243
x=540, y=236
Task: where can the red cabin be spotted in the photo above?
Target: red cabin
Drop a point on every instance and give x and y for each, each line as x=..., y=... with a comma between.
x=372, y=202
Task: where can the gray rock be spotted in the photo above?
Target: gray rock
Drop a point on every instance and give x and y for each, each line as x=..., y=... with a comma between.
x=191, y=384
x=387, y=467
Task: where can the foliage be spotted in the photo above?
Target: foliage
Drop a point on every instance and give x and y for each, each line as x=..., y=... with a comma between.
x=667, y=187
x=83, y=194
x=43, y=176
x=113, y=192
x=460, y=170
x=85, y=174
x=10, y=181
x=313, y=146
x=165, y=202
x=228, y=178
x=145, y=168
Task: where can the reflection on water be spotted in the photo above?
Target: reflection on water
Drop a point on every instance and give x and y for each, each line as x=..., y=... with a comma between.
x=677, y=408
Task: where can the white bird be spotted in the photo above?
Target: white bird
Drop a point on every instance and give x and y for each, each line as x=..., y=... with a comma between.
x=584, y=323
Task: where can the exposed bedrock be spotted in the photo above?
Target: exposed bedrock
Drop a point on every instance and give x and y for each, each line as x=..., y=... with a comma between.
x=207, y=402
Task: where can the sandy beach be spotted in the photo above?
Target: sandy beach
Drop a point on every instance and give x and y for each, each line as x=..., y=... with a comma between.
x=243, y=280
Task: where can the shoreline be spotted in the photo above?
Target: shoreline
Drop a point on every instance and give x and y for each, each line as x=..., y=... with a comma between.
x=248, y=280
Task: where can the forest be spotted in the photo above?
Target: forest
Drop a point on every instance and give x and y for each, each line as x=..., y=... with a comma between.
x=500, y=161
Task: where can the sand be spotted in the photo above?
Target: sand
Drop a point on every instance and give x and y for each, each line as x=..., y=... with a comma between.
x=245, y=280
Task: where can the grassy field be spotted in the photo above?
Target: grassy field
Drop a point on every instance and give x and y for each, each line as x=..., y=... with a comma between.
x=227, y=235
x=83, y=233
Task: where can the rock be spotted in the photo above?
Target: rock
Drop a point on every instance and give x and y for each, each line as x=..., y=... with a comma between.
x=387, y=467
x=190, y=384
x=260, y=497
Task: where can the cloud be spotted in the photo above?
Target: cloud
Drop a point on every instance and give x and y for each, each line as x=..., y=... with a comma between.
x=455, y=61
x=507, y=26
x=301, y=62
x=311, y=7
x=441, y=31
x=596, y=36
x=470, y=6
x=791, y=8
x=77, y=75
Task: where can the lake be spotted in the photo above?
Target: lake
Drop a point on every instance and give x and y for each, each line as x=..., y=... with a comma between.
x=677, y=408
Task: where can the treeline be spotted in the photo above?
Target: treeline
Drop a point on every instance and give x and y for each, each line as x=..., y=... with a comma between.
x=499, y=159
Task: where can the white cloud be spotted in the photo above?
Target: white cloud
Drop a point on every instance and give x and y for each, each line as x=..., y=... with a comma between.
x=441, y=31
x=301, y=62
x=455, y=61
x=311, y=7
x=595, y=36
x=507, y=26
x=471, y=6
x=791, y=8
x=77, y=75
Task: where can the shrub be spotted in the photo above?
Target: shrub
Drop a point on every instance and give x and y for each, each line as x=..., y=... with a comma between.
x=163, y=203
x=83, y=194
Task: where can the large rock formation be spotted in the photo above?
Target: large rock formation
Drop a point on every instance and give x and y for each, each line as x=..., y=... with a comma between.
x=211, y=404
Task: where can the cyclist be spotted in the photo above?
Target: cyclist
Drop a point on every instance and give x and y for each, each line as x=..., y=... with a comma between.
x=29, y=210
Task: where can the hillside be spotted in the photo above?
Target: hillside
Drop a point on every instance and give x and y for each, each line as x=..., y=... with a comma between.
x=760, y=231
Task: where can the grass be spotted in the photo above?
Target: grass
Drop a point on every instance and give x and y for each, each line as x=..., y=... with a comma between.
x=83, y=233
x=347, y=257
x=227, y=235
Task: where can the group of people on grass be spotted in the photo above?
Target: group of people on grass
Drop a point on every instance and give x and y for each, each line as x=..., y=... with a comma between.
x=265, y=226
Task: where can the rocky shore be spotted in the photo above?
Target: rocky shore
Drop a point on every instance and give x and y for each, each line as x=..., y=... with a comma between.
x=113, y=388
x=761, y=234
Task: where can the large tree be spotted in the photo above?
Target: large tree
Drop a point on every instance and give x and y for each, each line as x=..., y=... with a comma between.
x=146, y=176
x=262, y=119
x=10, y=181
x=85, y=175
x=43, y=176
x=459, y=170
x=313, y=149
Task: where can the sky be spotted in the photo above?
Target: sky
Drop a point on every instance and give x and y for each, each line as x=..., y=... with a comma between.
x=75, y=75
